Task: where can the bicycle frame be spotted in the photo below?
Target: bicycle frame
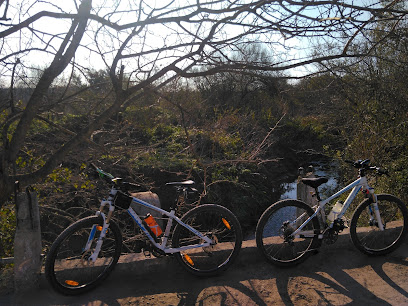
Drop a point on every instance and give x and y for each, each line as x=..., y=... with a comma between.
x=359, y=184
x=162, y=246
x=171, y=215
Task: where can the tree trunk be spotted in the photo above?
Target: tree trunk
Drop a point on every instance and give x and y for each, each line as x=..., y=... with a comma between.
x=27, y=244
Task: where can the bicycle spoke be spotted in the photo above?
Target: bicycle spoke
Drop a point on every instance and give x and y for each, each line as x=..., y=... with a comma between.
x=68, y=266
x=365, y=231
x=274, y=232
x=216, y=223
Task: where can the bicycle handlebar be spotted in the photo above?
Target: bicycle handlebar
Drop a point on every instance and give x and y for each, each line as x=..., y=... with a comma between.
x=365, y=165
x=117, y=181
x=102, y=173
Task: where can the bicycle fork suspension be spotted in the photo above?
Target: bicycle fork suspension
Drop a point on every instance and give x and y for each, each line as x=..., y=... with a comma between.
x=374, y=215
x=375, y=218
x=98, y=246
x=103, y=229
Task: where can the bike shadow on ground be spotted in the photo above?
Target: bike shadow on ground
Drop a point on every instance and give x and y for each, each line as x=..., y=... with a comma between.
x=346, y=277
x=335, y=276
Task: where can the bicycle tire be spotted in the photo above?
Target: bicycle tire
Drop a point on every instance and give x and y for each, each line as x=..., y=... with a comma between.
x=216, y=222
x=273, y=231
x=67, y=268
x=366, y=235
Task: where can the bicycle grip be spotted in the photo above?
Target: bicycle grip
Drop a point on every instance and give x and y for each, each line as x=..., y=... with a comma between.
x=382, y=171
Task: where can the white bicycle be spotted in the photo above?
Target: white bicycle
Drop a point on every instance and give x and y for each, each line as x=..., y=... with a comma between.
x=289, y=231
x=205, y=240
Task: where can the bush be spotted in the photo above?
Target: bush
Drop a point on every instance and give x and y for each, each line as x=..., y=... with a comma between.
x=7, y=230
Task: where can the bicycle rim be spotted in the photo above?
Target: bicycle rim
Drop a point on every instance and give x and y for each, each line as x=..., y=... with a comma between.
x=69, y=267
x=220, y=225
x=274, y=229
x=365, y=232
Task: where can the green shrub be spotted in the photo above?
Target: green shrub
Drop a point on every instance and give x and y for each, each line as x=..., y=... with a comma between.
x=7, y=230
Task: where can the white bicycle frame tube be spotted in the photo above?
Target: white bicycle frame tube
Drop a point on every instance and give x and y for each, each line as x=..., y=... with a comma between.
x=356, y=186
x=162, y=245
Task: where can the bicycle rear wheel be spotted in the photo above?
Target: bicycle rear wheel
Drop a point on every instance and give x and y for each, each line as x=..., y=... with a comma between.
x=67, y=267
x=364, y=230
x=217, y=223
x=274, y=229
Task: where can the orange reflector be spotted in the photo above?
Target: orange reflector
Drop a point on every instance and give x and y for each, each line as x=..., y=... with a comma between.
x=188, y=259
x=226, y=223
x=99, y=228
x=72, y=283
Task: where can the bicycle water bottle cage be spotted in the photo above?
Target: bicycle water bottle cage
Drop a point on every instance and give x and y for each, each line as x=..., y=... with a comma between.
x=314, y=181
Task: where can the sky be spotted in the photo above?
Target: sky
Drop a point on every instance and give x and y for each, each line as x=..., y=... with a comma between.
x=156, y=37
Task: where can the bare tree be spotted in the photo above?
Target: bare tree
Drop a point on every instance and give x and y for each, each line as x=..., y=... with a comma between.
x=146, y=44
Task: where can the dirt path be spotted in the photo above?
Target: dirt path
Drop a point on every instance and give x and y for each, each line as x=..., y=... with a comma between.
x=339, y=275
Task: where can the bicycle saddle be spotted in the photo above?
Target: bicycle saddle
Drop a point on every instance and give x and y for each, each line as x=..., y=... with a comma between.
x=314, y=181
x=188, y=183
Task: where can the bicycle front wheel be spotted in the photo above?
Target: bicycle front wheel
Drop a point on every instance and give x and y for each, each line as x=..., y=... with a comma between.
x=221, y=226
x=69, y=269
x=365, y=232
x=274, y=233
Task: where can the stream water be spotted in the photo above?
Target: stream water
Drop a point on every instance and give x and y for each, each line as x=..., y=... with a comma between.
x=326, y=169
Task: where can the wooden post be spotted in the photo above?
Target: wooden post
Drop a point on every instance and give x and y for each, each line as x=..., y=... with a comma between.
x=27, y=243
x=304, y=193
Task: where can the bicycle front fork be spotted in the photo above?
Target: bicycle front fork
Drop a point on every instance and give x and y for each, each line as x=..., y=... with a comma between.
x=102, y=229
x=375, y=218
x=374, y=211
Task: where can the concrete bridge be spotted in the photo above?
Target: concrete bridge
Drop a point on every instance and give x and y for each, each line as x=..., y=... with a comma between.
x=339, y=274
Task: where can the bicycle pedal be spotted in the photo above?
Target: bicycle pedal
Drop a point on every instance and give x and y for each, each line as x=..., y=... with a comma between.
x=147, y=253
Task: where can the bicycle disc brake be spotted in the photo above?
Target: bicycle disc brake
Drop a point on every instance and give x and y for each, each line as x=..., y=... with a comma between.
x=286, y=233
x=209, y=249
x=374, y=222
x=86, y=259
